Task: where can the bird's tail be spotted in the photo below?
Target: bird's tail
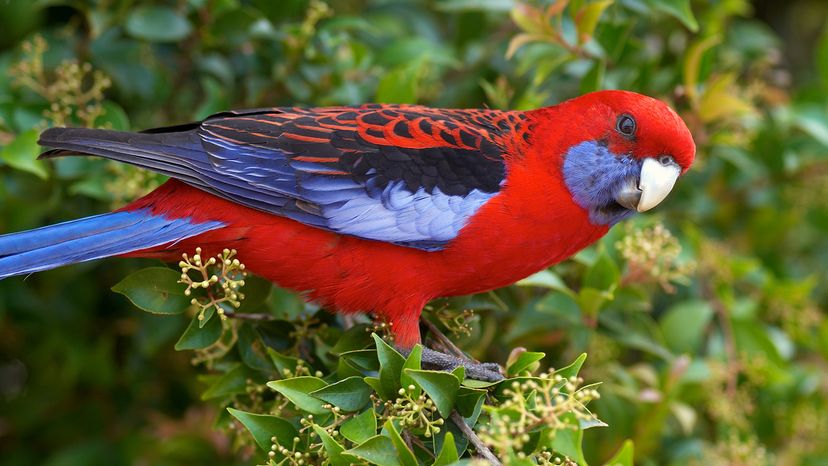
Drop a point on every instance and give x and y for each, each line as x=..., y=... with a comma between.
x=91, y=238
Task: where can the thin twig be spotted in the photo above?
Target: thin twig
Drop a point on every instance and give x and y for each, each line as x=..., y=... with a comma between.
x=478, y=444
x=248, y=316
x=444, y=340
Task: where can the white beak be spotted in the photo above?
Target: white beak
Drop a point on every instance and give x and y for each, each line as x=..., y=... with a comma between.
x=656, y=182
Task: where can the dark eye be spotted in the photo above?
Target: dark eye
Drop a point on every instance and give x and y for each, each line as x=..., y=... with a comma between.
x=625, y=125
x=666, y=160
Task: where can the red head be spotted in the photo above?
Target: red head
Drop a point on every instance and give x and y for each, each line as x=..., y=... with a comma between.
x=619, y=151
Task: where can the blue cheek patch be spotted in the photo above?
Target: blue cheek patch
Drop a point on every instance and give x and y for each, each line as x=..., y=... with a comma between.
x=593, y=174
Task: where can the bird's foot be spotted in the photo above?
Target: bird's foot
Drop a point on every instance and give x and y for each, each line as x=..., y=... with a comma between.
x=485, y=371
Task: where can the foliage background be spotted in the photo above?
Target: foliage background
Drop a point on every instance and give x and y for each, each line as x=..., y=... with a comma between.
x=712, y=355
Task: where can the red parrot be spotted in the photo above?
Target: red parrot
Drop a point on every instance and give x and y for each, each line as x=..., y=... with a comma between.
x=377, y=208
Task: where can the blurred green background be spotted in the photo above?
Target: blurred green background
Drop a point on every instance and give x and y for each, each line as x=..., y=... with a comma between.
x=708, y=332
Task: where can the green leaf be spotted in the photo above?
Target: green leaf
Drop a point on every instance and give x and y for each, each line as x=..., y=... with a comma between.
x=114, y=117
x=569, y=441
x=527, y=361
x=256, y=291
x=547, y=279
x=624, y=455
x=378, y=450
x=572, y=369
x=157, y=23
x=283, y=363
x=404, y=454
x=298, y=391
x=469, y=400
x=349, y=394
x=252, y=349
x=374, y=383
x=413, y=361
x=684, y=324
x=679, y=9
x=442, y=387
x=591, y=300
x=263, y=427
x=448, y=454
x=22, y=154
x=364, y=360
x=391, y=365
x=355, y=338
x=398, y=86
x=334, y=450
x=603, y=274
x=587, y=18
x=155, y=290
x=360, y=428
x=196, y=337
x=232, y=382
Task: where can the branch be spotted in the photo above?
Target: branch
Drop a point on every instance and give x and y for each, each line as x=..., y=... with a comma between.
x=248, y=316
x=478, y=444
x=444, y=340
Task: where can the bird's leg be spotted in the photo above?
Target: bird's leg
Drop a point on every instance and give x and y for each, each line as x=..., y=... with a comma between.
x=431, y=359
x=486, y=371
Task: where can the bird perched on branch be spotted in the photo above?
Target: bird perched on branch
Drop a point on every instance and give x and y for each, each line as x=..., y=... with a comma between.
x=378, y=208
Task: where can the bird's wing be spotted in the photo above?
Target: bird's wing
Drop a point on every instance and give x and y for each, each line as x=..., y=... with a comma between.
x=407, y=175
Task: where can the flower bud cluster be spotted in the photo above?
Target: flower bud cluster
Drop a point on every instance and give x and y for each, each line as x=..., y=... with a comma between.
x=415, y=410
x=75, y=90
x=653, y=256
x=293, y=456
x=549, y=401
x=220, y=277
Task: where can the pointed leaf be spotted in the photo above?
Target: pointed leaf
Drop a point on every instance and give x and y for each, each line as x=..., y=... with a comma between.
x=364, y=360
x=349, y=394
x=587, y=18
x=527, y=361
x=448, y=454
x=624, y=456
x=263, y=427
x=679, y=9
x=413, y=361
x=378, y=450
x=155, y=290
x=334, y=450
x=405, y=455
x=360, y=428
x=298, y=390
x=232, y=382
x=391, y=365
x=22, y=153
x=441, y=387
x=572, y=369
x=569, y=441
x=195, y=337
x=284, y=364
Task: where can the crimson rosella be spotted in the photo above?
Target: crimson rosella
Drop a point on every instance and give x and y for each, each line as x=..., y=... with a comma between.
x=378, y=208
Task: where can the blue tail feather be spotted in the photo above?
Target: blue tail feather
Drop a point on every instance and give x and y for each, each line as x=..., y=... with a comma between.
x=92, y=238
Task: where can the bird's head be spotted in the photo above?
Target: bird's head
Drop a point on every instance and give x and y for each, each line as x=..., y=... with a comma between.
x=622, y=152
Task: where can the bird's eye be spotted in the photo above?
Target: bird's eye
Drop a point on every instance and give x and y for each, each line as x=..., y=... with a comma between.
x=666, y=160
x=625, y=125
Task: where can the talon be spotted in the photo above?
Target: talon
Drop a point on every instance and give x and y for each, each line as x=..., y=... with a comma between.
x=487, y=371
